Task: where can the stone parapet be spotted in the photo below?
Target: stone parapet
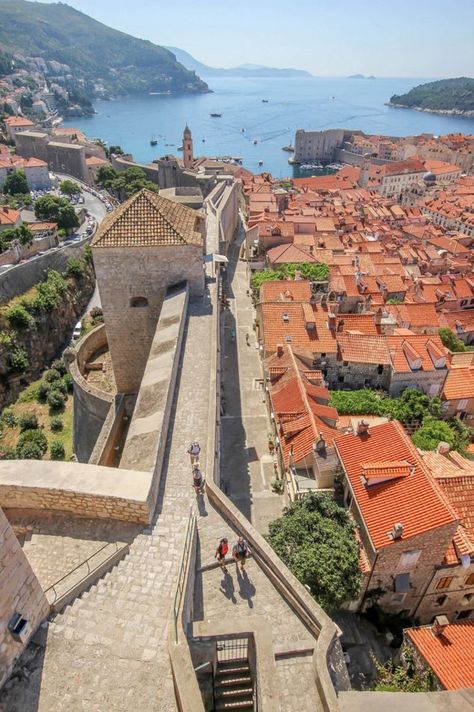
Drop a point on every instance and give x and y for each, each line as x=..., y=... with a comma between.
x=83, y=490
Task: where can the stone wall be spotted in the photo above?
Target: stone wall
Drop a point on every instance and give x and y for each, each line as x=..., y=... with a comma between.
x=83, y=490
x=458, y=596
x=126, y=274
x=20, y=592
x=22, y=277
x=91, y=405
x=145, y=445
x=224, y=203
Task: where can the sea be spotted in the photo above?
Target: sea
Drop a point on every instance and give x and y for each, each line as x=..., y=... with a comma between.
x=310, y=103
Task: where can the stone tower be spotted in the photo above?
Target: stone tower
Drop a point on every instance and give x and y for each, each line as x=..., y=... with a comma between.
x=188, y=158
x=141, y=249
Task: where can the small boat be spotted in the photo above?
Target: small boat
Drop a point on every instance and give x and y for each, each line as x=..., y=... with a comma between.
x=265, y=101
x=255, y=142
x=216, y=116
x=180, y=148
x=204, y=140
x=260, y=163
x=153, y=141
x=242, y=130
x=289, y=148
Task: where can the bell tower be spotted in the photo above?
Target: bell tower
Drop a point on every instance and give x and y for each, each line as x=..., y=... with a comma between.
x=188, y=158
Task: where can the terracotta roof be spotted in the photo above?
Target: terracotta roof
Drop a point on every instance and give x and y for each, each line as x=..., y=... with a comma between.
x=415, y=501
x=363, y=348
x=416, y=352
x=385, y=469
x=8, y=216
x=18, y=121
x=279, y=329
x=285, y=291
x=459, y=384
x=449, y=654
x=289, y=253
x=147, y=220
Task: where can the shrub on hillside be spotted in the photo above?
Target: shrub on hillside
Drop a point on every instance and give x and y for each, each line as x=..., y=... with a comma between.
x=32, y=437
x=28, y=421
x=56, y=450
x=9, y=418
x=56, y=400
x=68, y=382
x=56, y=424
x=18, y=361
x=43, y=389
x=7, y=453
x=59, y=365
x=52, y=375
x=18, y=317
x=28, y=451
x=75, y=267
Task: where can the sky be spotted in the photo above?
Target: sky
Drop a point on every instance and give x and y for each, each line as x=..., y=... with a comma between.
x=387, y=38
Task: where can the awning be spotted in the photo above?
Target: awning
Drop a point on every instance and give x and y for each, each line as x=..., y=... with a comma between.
x=216, y=258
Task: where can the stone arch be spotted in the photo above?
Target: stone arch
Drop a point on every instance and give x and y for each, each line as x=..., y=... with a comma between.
x=139, y=302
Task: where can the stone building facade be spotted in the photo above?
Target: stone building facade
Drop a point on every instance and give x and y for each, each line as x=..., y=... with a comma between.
x=144, y=247
x=20, y=596
x=317, y=145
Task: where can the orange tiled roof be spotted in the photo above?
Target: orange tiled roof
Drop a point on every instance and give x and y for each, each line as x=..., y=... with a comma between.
x=147, y=220
x=415, y=501
x=406, y=352
x=277, y=330
x=363, y=348
x=18, y=121
x=285, y=290
x=459, y=384
x=8, y=216
x=449, y=654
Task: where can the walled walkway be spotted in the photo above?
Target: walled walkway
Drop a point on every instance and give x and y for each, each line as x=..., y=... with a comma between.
x=108, y=650
x=247, y=467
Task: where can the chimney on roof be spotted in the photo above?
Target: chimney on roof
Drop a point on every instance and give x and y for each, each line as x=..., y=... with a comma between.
x=297, y=275
x=340, y=325
x=279, y=349
x=320, y=444
x=397, y=531
x=378, y=317
x=443, y=448
x=440, y=623
x=311, y=249
x=362, y=427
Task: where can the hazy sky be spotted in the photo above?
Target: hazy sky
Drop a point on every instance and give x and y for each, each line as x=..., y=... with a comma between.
x=411, y=38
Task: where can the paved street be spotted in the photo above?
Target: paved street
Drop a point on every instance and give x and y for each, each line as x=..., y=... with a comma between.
x=247, y=466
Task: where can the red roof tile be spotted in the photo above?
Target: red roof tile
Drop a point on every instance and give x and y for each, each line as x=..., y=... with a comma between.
x=449, y=653
x=415, y=501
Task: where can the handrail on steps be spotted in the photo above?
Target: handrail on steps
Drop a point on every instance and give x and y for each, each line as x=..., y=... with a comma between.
x=86, y=561
x=181, y=583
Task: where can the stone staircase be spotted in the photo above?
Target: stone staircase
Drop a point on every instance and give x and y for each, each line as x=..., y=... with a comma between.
x=234, y=689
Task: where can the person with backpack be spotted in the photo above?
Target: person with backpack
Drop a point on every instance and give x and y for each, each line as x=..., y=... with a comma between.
x=221, y=552
x=194, y=451
x=240, y=551
x=198, y=482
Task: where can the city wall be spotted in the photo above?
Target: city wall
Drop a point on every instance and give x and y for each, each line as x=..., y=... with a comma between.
x=22, y=277
x=224, y=203
x=82, y=490
x=91, y=405
x=20, y=592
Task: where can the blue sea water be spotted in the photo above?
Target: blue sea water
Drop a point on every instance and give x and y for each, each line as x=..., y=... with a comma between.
x=307, y=103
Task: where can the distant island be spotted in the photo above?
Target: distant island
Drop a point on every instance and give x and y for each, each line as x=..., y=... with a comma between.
x=446, y=96
x=84, y=57
x=360, y=76
x=244, y=70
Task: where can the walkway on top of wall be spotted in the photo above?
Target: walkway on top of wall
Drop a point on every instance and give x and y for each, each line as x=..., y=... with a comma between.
x=108, y=650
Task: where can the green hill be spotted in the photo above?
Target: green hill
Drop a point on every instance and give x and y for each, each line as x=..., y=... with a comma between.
x=95, y=53
x=453, y=95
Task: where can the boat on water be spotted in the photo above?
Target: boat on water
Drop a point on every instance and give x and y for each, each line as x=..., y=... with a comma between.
x=260, y=163
x=215, y=115
x=265, y=101
x=289, y=148
x=242, y=130
x=255, y=142
x=153, y=141
x=335, y=166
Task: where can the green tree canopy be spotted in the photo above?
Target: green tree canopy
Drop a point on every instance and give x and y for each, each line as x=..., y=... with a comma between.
x=56, y=209
x=433, y=431
x=16, y=183
x=450, y=340
x=314, y=272
x=411, y=405
x=69, y=187
x=314, y=538
x=124, y=184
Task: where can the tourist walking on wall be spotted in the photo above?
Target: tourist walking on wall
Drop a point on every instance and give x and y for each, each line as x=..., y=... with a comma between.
x=194, y=452
x=221, y=552
x=198, y=482
x=240, y=551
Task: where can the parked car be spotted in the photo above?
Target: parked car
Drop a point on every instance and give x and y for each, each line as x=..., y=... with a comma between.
x=77, y=331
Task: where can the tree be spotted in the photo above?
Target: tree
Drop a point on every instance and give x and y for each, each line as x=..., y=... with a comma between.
x=16, y=183
x=24, y=235
x=55, y=399
x=35, y=437
x=69, y=187
x=105, y=176
x=431, y=433
x=450, y=340
x=18, y=361
x=409, y=677
x=314, y=538
x=28, y=421
x=58, y=210
x=314, y=272
x=18, y=317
